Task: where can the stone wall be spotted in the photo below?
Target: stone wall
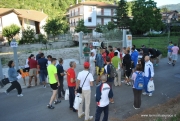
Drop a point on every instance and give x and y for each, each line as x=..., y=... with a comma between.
x=37, y=47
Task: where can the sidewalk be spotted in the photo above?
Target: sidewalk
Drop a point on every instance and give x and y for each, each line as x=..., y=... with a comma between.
x=21, y=81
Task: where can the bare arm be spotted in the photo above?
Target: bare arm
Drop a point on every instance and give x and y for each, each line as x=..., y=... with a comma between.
x=57, y=79
x=91, y=83
x=77, y=84
x=72, y=80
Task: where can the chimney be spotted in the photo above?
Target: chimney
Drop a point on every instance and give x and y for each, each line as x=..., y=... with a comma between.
x=76, y=1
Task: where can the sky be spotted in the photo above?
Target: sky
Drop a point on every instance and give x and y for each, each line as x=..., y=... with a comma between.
x=164, y=2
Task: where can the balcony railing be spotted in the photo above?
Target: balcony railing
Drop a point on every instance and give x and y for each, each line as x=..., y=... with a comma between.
x=105, y=14
x=75, y=14
x=73, y=24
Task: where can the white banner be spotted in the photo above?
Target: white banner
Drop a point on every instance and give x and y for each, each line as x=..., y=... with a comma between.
x=129, y=40
x=96, y=43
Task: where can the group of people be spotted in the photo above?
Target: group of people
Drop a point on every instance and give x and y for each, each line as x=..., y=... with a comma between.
x=109, y=64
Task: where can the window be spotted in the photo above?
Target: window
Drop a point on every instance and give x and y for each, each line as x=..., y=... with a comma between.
x=89, y=19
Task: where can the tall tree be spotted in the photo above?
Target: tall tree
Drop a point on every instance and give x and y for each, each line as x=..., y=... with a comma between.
x=81, y=27
x=10, y=31
x=122, y=19
x=146, y=16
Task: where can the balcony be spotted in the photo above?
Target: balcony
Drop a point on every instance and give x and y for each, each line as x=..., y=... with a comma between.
x=73, y=24
x=106, y=14
x=74, y=14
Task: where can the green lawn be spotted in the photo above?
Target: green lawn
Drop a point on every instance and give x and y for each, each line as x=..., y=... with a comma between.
x=155, y=42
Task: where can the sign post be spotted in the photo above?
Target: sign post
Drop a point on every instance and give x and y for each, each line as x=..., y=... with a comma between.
x=14, y=45
x=80, y=46
x=124, y=44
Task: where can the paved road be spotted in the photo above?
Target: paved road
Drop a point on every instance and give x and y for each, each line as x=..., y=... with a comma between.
x=32, y=107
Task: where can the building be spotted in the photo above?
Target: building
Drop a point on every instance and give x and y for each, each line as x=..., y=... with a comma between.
x=92, y=12
x=23, y=18
x=169, y=16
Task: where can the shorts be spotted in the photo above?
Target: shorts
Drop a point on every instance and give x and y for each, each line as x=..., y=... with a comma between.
x=99, y=71
x=169, y=54
x=33, y=72
x=128, y=73
x=43, y=75
x=54, y=86
x=159, y=57
x=174, y=57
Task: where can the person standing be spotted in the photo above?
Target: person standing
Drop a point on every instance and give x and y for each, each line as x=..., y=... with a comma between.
x=61, y=74
x=158, y=56
x=153, y=54
x=86, y=52
x=12, y=74
x=33, y=70
x=169, y=54
x=38, y=56
x=71, y=81
x=128, y=70
x=93, y=50
x=149, y=74
x=175, y=50
x=49, y=57
x=137, y=93
x=85, y=81
x=42, y=63
x=92, y=63
x=111, y=54
x=99, y=66
x=104, y=55
x=116, y=62
x=115, y=50
x=134, y=57
x=54, y=82
x=103, y=94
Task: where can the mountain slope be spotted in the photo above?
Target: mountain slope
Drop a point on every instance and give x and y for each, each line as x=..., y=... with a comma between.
x=172, y=7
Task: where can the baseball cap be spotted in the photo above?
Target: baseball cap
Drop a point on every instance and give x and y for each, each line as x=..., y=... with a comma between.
x=86, y=64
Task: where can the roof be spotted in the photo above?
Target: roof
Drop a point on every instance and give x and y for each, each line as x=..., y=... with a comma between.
x=98, y=4
x=170, y=12
x=27, y=14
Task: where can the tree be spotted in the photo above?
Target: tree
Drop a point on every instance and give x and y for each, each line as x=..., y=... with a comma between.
x=99, y=28
x=10, y=31
x=146, y=16
x=111, y=26
x=122, y=19
x=164, y=9
x=28, y=35
x=81, y=27
x=55, y=27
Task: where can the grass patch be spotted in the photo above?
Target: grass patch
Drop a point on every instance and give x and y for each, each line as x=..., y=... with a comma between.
x=160, y=43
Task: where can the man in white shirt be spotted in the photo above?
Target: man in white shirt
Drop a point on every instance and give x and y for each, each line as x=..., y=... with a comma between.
x=148, y=73
x=85, y=81
x=93, y=50
x=92, y=63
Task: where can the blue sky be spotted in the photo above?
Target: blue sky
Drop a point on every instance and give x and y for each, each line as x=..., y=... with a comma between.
x=164, y=2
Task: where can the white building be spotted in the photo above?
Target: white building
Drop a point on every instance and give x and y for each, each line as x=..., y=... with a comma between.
x=23, y=18
x=92, y=12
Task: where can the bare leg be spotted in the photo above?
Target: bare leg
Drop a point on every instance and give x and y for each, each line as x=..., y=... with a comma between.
x=53, y=97
x=30, y=80
x=35, y=79
x=24, y=81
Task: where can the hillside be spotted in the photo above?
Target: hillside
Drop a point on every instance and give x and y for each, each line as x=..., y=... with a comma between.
x=54, y=8
x=172, y=7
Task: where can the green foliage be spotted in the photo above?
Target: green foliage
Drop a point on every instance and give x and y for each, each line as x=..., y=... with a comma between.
x=99, y=28
x=28, y=36
x=105, y=28
x=172, y=7
x=111, y=26
x=10, y=31
x=164, y=9
x=123, y=21
x=146, y=16
x=81, y=27
x=55, y=27
x=175, y=28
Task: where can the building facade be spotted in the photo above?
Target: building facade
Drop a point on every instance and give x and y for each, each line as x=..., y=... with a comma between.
x=92, y=12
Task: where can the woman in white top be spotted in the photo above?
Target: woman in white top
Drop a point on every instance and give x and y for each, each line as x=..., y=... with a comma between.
x=92, y=63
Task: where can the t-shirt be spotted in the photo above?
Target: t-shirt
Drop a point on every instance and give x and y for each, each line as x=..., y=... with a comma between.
x=111, y=55
x=115, y=62
x=86, y=49
x=71, y=74
x=59, y=71
x=94, y=51
x=92, y=63
x=118, y=53
x=42, y=62
x=32, y=63
x=52, y=70
x=170, y=47
x=81, y=76
x=104, y=57
x=175, y=50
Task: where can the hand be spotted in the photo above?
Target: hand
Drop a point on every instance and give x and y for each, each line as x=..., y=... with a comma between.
x=75, y=92
x=151, y=79
x=58, y=84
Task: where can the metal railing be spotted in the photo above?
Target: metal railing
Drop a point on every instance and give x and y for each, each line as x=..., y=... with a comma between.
x=75, y=14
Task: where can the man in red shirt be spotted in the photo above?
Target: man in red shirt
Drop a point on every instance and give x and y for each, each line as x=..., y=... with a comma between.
x=104, y=55
x=71, y=81
x=111, y=54
x=33, y=69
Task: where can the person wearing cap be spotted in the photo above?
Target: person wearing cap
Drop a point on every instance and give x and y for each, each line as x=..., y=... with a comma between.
x=85, y=81
x=86, y=52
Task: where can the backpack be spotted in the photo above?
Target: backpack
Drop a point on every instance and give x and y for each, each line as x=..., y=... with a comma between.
x=113, y=72
x=139, y=81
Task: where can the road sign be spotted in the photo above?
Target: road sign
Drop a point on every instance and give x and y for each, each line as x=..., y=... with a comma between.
x=14, y=44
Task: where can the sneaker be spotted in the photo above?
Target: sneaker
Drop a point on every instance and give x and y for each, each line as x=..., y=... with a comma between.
x=135, y=108
x=81, y=115
x=29, y=86
x=50, y=106
x=20, y=95
x=150, y=94
x=6, y=93
x=144, y=93
x=57, y=101
x=129, y=83
x=44, y=86
x=169, y=62
x=90, y=118
x=173, y=64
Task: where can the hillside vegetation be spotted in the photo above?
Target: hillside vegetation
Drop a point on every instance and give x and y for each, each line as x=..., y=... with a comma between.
x=54, y=8
x=172, y=7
